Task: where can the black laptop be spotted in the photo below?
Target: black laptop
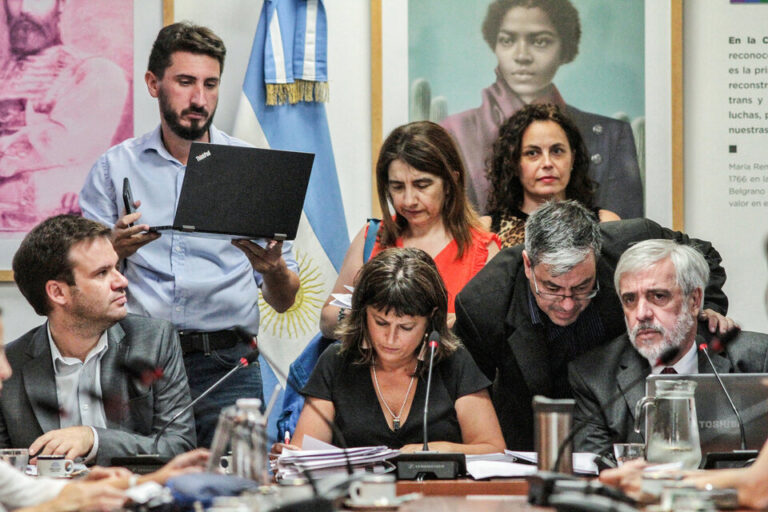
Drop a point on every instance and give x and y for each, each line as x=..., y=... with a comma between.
x=236, y=191
x=718, y=427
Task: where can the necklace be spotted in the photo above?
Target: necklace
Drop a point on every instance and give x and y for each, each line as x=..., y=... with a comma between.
x=395, y=419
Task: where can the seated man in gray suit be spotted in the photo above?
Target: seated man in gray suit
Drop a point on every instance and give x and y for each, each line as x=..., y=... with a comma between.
x=531, y=310
x=660, y=285
x=74, y=388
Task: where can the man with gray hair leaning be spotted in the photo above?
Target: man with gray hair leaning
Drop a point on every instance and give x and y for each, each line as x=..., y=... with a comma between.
x=661, y=288
x=534, y=309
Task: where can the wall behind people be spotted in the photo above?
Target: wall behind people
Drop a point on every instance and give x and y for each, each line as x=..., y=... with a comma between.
x=235, y=21
x=726, y=163
x=349, y=115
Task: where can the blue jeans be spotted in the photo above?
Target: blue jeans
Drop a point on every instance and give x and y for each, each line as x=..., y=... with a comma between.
x=203, y=370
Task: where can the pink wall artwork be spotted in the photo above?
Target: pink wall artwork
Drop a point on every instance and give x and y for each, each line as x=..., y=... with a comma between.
x=66, y=69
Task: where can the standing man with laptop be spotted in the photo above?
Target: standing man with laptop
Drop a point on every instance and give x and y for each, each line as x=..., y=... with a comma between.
x=205, y=287
x=660, y=285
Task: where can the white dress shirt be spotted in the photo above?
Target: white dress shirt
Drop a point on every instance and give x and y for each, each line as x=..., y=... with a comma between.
x=78, y=389
x=687, y=365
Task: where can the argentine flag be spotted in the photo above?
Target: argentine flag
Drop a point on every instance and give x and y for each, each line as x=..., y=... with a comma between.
x=290, y=48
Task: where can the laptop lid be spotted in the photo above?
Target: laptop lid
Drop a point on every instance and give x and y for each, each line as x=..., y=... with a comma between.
x=718, y=427
x=243, y=191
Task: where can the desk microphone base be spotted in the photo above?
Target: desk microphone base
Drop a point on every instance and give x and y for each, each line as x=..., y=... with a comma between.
x=430, y=466
x=140, y=464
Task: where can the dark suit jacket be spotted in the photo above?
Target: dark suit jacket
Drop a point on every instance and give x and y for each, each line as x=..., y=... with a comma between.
x=617, y=372
x=134, y=412
x=612, y=162
x=493, y=321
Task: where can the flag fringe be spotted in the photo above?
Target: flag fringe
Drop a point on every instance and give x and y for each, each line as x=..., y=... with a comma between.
x=300, y=90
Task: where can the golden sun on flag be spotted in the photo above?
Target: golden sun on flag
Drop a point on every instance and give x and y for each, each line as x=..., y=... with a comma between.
x=301, y=318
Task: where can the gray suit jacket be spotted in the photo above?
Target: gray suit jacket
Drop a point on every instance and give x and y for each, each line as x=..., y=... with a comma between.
x=617, y=372
x=134, y=412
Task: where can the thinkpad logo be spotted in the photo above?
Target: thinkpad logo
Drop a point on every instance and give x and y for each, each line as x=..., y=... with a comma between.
x=203, y=156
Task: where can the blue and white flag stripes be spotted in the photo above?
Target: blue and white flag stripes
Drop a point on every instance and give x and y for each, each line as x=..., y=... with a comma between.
x=295, y=53
x=323, y=238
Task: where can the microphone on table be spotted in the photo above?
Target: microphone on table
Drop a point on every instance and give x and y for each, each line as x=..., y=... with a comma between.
x=434, y=340
x=543, y=484
x=318, y=503
x=718, y=344
x=145, y=463
x=426, y=464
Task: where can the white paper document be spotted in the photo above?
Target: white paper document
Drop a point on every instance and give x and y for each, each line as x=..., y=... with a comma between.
x=321, y=458
x=512, y=464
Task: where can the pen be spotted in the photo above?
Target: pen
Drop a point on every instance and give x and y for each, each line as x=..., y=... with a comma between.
x=287, y=437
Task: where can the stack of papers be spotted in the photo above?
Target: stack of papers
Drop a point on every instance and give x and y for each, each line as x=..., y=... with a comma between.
x=329, y=459
x=343, y=300
x=514, y=464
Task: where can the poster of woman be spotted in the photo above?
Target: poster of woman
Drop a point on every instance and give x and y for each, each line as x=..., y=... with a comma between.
x=587, y=56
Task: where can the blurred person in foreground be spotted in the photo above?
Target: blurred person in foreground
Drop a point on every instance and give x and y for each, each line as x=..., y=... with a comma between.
x=373, y=384
x=749, y=482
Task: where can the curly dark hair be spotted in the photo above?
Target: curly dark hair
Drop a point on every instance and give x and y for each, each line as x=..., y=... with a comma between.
x=184, y=37
x=561, y=13
x=427, y=147
x=506, y=192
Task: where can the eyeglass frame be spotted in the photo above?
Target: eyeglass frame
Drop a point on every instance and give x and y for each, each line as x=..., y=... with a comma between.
x=557, y=297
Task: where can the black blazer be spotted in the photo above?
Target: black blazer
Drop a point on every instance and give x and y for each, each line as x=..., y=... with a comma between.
x=618, y=369
x=494, y=323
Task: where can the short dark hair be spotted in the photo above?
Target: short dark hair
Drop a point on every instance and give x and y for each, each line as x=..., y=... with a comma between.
x=561, y=13
x=427, y=147
x=562, y=234
x=506, y=191
x=184, y=37
x=44, y=255
x=406, y=281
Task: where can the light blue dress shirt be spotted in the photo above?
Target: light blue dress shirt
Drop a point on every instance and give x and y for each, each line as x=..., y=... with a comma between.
x=196, y=283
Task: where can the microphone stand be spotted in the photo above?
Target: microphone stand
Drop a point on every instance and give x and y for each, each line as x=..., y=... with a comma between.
x=318, y=503
x=544, y=484
x=432, y=347
x=742, y=455
x=427, y=464
x=146, y=463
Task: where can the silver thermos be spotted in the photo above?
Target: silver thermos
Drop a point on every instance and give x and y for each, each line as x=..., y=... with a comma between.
x=552, y=424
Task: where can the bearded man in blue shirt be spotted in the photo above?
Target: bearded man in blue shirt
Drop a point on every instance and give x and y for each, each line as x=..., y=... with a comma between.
x=205, y=287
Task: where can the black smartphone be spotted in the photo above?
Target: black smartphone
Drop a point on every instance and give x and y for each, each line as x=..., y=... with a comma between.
x=128, y=197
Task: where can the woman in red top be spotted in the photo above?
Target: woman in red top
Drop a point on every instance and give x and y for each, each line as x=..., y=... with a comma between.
x=420, y=173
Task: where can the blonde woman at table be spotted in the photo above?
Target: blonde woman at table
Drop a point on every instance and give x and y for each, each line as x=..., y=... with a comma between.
x=373, y=384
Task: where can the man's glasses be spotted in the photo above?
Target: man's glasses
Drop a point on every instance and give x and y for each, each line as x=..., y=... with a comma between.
x=558, y=297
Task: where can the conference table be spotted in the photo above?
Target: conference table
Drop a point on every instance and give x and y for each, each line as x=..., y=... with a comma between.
x=471, y=503
x=465, y=487
x=495, y=495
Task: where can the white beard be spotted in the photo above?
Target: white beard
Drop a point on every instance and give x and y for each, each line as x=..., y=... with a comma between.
x=674, y=338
